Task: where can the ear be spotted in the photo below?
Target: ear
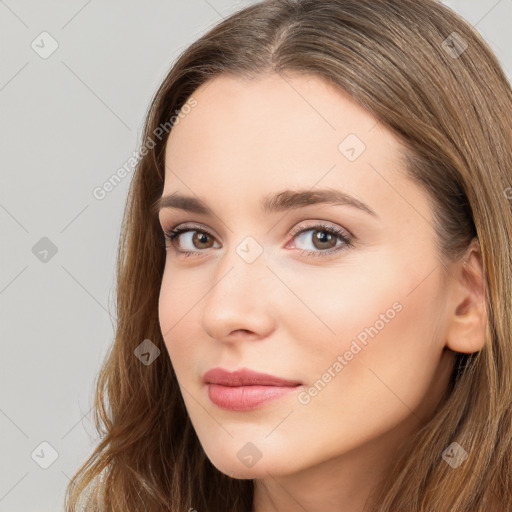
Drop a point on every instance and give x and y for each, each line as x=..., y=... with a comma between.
x=467, y=314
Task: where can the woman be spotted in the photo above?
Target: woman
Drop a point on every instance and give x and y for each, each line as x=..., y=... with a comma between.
x=314, y=276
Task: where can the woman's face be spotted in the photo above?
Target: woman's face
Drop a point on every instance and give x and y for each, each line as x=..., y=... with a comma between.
x=348, y=300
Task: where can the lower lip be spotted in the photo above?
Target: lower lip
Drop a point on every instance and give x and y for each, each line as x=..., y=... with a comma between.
x=245, y=398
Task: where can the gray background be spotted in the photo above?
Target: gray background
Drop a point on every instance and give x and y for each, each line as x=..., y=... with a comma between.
x=68, y=122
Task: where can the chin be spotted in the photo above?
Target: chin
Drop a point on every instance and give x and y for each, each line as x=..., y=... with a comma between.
x=247, y=462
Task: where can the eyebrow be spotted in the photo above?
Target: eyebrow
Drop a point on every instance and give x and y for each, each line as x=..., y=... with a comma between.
x=282, y=201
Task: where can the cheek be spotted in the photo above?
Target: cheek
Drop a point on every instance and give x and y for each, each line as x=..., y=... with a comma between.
x=387, y=294
x=175, y=311
x=387, y=344
x=351, y=300
x=180, y=296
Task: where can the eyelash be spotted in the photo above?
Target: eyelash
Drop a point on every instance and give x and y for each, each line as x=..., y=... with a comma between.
x=347, y=241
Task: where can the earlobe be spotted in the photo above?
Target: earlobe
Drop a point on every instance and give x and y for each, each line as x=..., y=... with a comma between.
x=468, y=312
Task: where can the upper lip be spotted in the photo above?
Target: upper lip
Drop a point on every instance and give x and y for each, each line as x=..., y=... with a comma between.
x=244, y=377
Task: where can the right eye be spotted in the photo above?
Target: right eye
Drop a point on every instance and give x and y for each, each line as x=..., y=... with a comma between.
x=196, y=239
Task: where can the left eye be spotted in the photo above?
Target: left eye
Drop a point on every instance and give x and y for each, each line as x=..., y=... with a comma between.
x=325, y=240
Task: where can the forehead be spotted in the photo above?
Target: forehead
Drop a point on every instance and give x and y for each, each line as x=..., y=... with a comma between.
x=276, y=132
x=274, y=110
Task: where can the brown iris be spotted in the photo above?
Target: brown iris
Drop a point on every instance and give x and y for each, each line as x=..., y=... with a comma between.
x=201, y=238
x=323, y=237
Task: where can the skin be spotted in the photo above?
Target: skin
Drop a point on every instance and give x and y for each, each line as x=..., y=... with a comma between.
x=290, y=313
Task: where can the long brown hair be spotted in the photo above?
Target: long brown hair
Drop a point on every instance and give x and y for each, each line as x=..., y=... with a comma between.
x=428, y=76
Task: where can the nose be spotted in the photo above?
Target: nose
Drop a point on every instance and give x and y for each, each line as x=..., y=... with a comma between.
x=240, y=303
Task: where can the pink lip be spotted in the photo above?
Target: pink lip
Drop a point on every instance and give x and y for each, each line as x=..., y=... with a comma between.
x=245, y=377
x=245, y=389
